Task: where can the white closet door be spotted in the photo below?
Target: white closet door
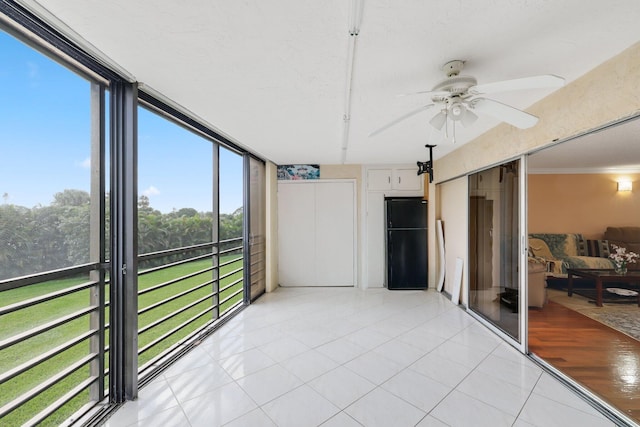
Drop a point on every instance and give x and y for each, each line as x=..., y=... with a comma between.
x=335, y=230
x=316, y=233
x=296, y=234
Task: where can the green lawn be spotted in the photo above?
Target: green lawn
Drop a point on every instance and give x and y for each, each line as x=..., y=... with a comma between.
x=23, y=320
x=150, y=298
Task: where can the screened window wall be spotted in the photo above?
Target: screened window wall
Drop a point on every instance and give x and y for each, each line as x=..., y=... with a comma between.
x=231, y=229
x=52, y=238
x=176, y=245
x=78, y=217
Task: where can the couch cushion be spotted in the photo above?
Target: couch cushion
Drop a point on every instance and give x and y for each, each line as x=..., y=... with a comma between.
x=587, y=262
x=561, y=245
x=536, y=265
x=539, y=248
x=623, y=234
x=598, y=248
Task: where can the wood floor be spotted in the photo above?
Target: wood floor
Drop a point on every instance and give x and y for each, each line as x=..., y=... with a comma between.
x=601, y=359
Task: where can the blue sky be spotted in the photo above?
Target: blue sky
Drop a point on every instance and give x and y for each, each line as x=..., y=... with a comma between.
x=45, y=141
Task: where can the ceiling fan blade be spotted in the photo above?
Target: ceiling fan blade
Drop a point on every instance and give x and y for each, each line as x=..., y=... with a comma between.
x=401, y=118
x=505, y=113
x=431, y=93
x=534, y=82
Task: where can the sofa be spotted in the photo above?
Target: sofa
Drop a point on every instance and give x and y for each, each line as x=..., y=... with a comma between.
x=625, y=237
x=537, y=289
x=569, y=250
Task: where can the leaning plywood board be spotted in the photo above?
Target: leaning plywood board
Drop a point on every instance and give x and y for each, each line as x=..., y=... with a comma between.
x=441, y=258
x=457, y=282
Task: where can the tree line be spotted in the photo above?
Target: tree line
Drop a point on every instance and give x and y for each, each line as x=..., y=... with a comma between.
x=45, y=238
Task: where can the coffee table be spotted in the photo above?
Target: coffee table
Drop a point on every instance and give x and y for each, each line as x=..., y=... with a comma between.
x=602, y=276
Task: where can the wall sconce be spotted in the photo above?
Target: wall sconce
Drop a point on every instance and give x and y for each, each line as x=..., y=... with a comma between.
x=625, y=185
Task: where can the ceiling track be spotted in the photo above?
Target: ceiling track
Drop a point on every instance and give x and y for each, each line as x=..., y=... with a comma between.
x=355, y=20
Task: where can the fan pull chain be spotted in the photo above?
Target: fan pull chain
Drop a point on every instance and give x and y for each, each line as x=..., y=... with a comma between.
x=453, y=131
x=446, y=124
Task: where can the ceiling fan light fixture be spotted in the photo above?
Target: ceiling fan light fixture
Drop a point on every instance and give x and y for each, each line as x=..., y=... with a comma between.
x=439, y=120
x=457, y=110
x=468, y=118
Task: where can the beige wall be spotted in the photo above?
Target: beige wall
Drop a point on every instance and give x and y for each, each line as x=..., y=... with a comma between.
x=581, y=203
x=432, y=194
x=341, y=172
x=452, y=210
x=604, y=95
x=271, y=270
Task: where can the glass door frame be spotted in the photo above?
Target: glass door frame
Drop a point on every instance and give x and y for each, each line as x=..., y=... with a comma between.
x=524, y=254
x=249, y=233
x=521, y=344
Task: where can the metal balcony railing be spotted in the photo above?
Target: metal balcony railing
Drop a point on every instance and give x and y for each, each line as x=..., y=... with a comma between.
x=52, y=350
x=180, y=299
x=54, y=330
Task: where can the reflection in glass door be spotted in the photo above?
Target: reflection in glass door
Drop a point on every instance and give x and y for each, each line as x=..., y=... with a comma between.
x=494, y=284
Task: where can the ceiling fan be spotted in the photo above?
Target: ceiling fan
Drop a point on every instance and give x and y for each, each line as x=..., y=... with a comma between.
x=458, y=99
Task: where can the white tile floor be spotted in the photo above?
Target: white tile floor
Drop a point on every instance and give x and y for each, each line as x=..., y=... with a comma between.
x=348, y=357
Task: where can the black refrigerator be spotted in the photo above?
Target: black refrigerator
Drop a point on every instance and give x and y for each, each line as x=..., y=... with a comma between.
x=406, y=240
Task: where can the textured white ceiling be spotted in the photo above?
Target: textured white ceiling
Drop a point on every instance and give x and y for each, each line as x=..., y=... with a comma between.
x=272, y=75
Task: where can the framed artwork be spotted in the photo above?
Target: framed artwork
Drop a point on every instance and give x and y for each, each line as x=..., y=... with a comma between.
x=294, y=172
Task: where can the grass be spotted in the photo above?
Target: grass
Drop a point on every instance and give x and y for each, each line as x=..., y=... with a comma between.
x=145, y=281
x=17, y=322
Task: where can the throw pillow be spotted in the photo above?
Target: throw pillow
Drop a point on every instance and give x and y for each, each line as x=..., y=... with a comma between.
x=595, y=248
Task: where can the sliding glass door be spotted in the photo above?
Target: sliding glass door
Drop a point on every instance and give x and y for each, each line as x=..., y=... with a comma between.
x=494, y=247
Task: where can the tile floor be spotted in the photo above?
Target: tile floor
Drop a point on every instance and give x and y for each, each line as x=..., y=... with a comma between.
x=349, y=357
